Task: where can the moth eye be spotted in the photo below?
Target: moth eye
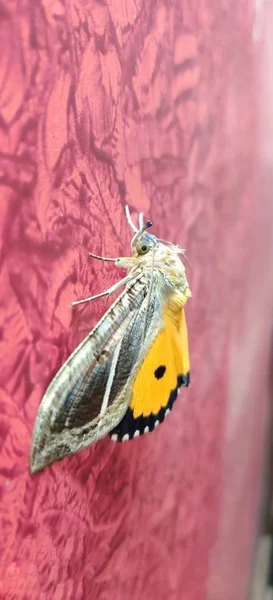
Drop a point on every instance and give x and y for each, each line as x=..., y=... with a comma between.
x=143, y=248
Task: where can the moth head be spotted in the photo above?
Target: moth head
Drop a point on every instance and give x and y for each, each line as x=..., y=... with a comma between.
x=143, y=242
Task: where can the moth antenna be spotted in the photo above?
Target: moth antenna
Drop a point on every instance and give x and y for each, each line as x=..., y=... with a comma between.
x=145, y=226
x=190, y=265
x=141, y=231
x=184, y=254
x=140, y=220
x=129, y=219
x=165, y=242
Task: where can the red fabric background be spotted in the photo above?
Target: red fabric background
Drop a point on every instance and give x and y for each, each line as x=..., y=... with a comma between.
x=167, y=108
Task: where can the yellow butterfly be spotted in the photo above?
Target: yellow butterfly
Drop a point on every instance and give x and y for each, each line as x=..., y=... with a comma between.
x=124, y=377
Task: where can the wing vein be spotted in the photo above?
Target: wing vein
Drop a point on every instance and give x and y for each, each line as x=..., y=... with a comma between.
x=110, y=379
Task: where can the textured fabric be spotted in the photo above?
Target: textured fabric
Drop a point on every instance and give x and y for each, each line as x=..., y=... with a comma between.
x=164, y=106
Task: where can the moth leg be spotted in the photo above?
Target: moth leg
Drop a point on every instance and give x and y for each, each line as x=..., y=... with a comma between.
x=101, y=257
x=108, y=292
x=125, y=262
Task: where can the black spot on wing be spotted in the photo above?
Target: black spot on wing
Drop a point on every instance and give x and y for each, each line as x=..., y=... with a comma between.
x=159, y=372
x=184, y=380
x=129, y=425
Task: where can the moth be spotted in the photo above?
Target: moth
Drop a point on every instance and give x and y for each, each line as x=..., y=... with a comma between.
x=124, y=377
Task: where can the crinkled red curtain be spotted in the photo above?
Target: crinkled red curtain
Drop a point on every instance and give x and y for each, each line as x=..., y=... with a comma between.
x=164, y=106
